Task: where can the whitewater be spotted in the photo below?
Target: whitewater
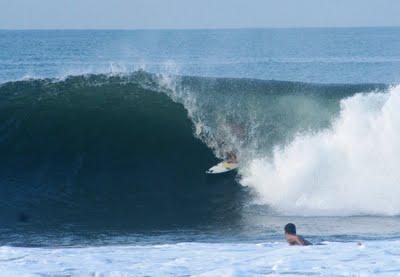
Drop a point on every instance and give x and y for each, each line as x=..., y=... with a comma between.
x=195, y=259
x=348, y=169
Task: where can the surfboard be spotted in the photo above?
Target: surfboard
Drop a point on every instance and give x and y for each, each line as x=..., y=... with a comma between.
x=222, y=167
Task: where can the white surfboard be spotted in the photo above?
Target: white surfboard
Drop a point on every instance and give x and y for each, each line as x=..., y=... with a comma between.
x=222, y=167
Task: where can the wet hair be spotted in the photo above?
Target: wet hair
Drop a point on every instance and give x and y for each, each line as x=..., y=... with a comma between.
x=290, y=228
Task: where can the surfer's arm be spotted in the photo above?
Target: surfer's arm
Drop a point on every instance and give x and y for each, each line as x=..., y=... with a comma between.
x=303, y=241
x=293, y=240
x=297, y=240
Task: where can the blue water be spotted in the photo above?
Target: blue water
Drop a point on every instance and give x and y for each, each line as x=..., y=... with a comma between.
x=79, y=151
x=343, y=55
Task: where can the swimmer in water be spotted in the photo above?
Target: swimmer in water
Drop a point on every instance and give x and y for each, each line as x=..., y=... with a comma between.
x=292, y=238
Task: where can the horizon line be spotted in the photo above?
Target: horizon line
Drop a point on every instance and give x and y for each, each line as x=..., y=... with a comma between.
x=198, y=29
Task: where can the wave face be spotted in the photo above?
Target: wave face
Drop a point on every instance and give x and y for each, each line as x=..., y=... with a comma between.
x=131, y=151
x=104, y=151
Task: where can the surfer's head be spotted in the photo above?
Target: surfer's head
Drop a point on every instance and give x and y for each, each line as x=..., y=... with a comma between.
x=290, y=229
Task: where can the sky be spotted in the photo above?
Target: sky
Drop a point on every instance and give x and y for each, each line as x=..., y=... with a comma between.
x=196, y=14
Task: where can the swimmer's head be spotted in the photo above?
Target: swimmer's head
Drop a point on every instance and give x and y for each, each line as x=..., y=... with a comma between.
x=290, y=229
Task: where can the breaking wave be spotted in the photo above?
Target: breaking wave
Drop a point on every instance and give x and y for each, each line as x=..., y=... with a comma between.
x=131, y=150
x=347, y=169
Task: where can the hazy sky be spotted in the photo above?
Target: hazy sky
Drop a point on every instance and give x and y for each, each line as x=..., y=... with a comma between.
x=143, y=14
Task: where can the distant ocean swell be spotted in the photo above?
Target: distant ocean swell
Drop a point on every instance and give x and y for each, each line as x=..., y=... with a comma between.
x=132, y=149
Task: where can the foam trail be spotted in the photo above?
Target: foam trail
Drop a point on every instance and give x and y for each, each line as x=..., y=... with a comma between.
x=349, y=169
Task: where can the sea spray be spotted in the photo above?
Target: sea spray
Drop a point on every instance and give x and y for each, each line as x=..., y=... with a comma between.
x=348, y=169
x=247, y=116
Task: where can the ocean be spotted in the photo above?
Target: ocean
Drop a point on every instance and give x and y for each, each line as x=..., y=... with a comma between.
x=105, y=137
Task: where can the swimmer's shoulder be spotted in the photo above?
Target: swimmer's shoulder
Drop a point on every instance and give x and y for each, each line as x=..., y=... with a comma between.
x=305, y=242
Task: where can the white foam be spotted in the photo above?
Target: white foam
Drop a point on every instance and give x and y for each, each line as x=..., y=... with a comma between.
x=204, y=259
x=352, y=168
